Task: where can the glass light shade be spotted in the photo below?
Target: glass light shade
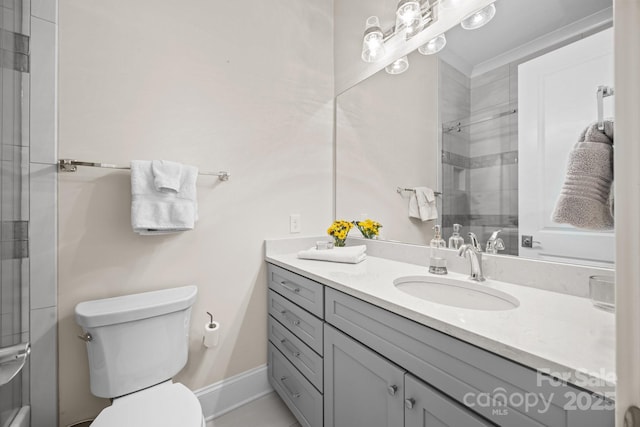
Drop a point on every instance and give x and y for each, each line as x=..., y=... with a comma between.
x=398, y=66
x=373, y=41
x=479, y=18
x=434, y=45
x=409, y=16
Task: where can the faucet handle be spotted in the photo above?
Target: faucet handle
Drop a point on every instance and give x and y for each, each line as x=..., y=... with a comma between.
x=474, y=242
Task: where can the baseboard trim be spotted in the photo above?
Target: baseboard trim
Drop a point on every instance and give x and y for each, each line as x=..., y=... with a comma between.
x=219, y=398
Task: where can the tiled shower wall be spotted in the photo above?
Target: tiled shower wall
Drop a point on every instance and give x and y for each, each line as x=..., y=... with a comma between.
x=14, y=196
x=493, y=152
x=480, y=171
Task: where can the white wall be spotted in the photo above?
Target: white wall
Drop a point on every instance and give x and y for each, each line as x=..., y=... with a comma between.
x=239, y=86
x=387, y=137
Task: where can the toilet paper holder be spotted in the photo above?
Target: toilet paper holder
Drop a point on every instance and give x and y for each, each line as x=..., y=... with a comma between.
x=211, y=335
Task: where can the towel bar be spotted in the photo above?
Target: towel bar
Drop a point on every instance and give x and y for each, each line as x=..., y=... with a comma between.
x=69, y=165
x=399, y=190
x=601, y=93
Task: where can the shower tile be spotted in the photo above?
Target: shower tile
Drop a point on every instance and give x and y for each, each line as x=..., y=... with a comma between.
x=491, y=94
x=44, y=361
x=43, y=82
x=490, y=76
x=43, y=235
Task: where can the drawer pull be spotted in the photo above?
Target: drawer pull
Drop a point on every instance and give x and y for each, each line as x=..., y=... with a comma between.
x=392, y=389
x=409, y=403
x=293, y=321
x=293, y=350
x=289, y=288
x=293, y=394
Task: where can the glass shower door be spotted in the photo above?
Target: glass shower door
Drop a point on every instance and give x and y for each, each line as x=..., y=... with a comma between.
x=14, y=212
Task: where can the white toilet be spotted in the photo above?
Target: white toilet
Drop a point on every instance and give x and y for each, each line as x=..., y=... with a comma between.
x=136, y=344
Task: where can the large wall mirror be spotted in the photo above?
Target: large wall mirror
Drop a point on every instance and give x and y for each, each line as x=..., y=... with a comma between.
x=489, y=122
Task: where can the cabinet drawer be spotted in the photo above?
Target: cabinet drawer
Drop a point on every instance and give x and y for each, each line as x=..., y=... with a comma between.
x=305, y=326
x=297, y=352
x=304, y=401
x=465, y=372
x=304, y=292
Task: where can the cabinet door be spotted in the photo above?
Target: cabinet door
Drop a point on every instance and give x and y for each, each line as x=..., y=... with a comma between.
x=361, y=388
x=426, y=407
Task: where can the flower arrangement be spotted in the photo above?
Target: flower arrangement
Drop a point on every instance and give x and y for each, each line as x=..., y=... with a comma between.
x=369, y=228
x=339, y=230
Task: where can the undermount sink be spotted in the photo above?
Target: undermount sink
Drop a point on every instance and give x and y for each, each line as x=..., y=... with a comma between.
x=456, y=293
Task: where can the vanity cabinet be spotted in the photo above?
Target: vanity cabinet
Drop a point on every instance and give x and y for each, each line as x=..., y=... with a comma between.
x=361, y=365
x=296, y=339
x=362, y=389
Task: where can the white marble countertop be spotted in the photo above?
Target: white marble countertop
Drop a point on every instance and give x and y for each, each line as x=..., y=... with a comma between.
x=555, y=333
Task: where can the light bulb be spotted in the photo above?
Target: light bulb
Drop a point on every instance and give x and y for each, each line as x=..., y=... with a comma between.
x=479, y=18
x=373, y=41
x=434, y=45
x=409, y=16
x=398, y=66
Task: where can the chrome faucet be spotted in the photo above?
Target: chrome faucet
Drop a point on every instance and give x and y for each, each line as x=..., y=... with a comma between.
x=474, y=252
x=495, y=243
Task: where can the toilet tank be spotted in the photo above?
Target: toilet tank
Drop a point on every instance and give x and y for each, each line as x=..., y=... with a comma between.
x=136, y=341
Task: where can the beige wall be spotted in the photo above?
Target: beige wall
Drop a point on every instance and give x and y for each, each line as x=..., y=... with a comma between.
x=387, y=137
x=239, y=86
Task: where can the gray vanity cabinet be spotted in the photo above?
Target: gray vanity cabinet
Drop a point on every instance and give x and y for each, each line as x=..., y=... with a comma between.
x=361, y=389
x=338, y=361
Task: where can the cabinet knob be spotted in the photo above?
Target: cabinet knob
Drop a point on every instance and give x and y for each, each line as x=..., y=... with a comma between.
x=392, y=389
x=409, y=403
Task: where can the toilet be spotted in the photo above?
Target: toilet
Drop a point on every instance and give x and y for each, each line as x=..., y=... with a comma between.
x=135, y=345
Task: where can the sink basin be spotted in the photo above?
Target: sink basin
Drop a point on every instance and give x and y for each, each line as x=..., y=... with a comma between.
x=456, y=293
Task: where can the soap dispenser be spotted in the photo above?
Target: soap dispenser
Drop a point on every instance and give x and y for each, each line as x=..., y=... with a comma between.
x=437, y=264
x=456, y=240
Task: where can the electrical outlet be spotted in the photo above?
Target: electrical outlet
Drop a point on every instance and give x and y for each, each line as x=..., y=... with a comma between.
x=294, y=223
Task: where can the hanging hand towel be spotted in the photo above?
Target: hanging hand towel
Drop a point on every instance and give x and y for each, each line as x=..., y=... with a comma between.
x=422, y=204
x=161, y=212
x=348, y=254
x=166, y=175
x=584, y=198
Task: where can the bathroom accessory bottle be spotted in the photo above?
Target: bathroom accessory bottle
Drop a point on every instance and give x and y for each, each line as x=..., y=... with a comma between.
x=437, y=264
x=456, y=240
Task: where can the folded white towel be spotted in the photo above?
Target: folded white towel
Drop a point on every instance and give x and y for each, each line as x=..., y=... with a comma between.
x=166, y=175
x=422, y=204
x=160, y=212
x=348, y=254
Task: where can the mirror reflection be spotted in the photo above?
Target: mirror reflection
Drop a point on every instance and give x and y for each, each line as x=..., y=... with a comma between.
x=490, y=122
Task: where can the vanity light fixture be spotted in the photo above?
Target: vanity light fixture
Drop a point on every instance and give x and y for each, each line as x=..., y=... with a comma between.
x=373, y=41
x=412, y=16
x=479, y=18
x=434, y=45
x=398, y=66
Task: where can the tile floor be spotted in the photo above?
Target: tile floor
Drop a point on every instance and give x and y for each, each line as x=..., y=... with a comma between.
x=268, y=411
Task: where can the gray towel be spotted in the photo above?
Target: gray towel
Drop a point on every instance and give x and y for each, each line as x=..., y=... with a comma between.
x=584, y=200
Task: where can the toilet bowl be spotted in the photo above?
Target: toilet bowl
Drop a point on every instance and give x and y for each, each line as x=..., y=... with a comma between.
x=135, y=345
x=164, y=405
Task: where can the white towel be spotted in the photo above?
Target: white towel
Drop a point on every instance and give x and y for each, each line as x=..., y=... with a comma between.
x=422, y=204
x=348, y=254
x=159, y=212
x=166, y=175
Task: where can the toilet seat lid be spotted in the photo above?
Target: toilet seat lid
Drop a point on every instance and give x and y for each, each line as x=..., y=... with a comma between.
x=163, y=405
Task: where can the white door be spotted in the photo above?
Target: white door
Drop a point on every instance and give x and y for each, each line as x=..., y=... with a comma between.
x=556, y=101
x=627, y=174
